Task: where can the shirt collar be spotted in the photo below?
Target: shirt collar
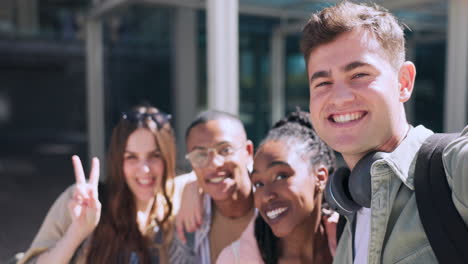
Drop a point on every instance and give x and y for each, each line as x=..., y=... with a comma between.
x=402, y=160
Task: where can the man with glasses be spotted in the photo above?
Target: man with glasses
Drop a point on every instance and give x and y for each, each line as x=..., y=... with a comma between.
x=220, y=154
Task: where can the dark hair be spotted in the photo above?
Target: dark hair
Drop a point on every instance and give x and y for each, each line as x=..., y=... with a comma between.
x=267, y=241
x=117, y=235
x=297, y=131
x=210, y=115
x=325, y=26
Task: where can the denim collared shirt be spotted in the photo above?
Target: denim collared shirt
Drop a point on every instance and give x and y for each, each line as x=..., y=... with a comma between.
x=396, y=232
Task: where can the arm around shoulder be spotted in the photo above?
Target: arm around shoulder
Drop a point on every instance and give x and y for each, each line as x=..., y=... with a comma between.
x=455, y=160
x=179, y=184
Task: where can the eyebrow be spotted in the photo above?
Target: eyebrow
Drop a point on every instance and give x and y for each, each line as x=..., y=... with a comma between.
x=277, y=163
x=271, y=165
x=353, y=65
x=349, y=67
x=319, y=74
x=216, y=145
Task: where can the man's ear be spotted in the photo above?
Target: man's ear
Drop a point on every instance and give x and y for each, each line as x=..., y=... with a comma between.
x=249, y=147
x=406, y=77
x=250, y=151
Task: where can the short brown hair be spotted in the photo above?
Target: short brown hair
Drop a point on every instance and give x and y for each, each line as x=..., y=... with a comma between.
x=325, y=26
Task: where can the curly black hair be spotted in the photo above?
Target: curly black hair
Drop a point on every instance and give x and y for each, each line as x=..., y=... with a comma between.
x=297, y=131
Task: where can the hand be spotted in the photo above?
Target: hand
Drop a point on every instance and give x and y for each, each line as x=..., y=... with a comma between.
x=189, y=217
x=85, y=208
x=330, y=221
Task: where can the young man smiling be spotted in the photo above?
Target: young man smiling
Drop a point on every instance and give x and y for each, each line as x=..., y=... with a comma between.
x=359, y=80
x=220, y=154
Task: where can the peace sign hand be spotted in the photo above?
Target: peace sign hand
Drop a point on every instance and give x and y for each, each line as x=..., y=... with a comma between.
x=85, y=208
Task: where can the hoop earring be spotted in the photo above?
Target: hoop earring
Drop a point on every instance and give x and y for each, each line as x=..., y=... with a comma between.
x=319, y=186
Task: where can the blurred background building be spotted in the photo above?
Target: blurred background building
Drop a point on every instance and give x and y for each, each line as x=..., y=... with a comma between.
x=69, y=67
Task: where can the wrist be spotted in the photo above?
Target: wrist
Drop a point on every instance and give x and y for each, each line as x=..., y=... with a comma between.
x=77, y=233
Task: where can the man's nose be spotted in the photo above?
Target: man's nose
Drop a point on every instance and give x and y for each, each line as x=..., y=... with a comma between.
x=215, y=160
x=342, y=94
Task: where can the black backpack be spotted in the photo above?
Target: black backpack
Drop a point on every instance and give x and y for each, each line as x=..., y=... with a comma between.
x=444, y=227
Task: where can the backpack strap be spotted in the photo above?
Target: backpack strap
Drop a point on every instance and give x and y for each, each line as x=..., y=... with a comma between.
x=443, y=225
x=340, y=226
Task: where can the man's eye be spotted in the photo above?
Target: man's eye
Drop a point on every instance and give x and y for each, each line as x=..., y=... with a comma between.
x=359, y=75
x=201, y=154
x=224, y=151
x=323, y=84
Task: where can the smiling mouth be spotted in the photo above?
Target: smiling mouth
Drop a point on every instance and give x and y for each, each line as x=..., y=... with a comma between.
x=217, y=179
x=275, y=213
x=146, y=181
x=346, y=118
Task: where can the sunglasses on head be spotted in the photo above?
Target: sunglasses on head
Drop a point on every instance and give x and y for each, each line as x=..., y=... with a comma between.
x=160, y=118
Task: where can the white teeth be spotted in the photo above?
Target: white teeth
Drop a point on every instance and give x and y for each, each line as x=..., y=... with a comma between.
x=144, y=181
x=275, y=213
x=216, y=179
x=347, y=117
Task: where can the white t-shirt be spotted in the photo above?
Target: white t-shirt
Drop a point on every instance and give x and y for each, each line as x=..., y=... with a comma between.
x=362, y=235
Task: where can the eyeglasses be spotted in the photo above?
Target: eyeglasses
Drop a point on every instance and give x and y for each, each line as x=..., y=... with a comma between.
x=200, y=158
x=160, y=118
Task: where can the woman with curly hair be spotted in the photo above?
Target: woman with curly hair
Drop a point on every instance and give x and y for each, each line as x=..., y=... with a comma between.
x=291, y=167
